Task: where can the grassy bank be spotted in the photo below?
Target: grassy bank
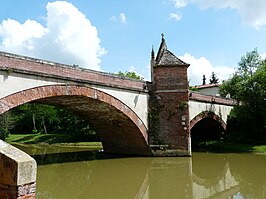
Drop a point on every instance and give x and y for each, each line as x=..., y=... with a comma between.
x=67, y=140
x=225, y=147
x=53, y=139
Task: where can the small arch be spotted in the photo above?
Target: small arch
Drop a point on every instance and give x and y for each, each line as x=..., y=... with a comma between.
x=207, y=114
x=121, y=130
x=206, y=126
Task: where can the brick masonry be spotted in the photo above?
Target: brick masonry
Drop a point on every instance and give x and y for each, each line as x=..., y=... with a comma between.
x=27, y=191
x=207, y=114
x=11, y=62
x=171, y=93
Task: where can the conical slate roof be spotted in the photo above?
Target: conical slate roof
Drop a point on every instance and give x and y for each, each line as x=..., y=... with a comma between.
x=167, y=58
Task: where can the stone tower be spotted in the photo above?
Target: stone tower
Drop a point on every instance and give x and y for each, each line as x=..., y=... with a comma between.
x=169, y=114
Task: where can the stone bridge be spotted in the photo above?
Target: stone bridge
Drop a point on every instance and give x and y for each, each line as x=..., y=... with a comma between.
x=118, y=107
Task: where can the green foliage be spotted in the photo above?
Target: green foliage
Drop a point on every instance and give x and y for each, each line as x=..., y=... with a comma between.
x=7, y=121
x=247, y=121
x=154, y=117
x=75, y=126
x=214, y=79
x=249, y=63
x=39, y=119
x=130, y=74
x=227, y=147
x=192, y=88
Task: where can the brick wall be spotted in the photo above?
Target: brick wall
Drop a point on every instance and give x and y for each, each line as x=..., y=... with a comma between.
x=171, y=93
x=27, y=191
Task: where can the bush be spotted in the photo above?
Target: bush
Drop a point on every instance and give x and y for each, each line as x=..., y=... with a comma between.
x=3, y=134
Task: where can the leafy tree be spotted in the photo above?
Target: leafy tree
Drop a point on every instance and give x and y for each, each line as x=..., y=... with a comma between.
x=193, y=88
x=130, y=74
x=39, y=118
x=35, y=117
x=7, y=121
x=247, y=121
x=214, y=79
x=249, y=63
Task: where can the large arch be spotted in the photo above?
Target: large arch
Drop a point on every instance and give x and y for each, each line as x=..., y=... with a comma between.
x=120, y=129
x=207, y=126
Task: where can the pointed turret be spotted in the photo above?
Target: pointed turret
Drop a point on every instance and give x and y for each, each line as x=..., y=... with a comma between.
x=152, y=63
x=166, y=58
x=170, y=98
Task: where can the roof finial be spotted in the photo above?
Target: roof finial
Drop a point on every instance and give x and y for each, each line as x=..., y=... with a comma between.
x=152, y=53
x=162, y=36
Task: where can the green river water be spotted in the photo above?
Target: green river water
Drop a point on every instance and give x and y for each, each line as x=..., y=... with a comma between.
x=77, y=173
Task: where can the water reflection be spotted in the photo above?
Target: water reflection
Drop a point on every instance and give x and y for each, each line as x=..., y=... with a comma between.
x=202, y=176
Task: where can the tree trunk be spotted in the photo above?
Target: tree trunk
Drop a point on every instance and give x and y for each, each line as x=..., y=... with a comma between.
x=44, y=126
x=34, y=122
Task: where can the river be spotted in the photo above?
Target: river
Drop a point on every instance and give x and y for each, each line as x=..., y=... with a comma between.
x=78, y=173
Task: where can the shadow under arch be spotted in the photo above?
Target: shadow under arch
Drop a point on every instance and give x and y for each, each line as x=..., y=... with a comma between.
x=119, y=128
x=207, y=126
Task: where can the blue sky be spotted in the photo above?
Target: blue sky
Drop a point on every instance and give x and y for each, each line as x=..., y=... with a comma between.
x=116, y=35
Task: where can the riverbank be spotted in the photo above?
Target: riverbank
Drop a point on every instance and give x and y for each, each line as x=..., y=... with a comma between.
x=225, y=147
x=51, y=139
x=67, y=140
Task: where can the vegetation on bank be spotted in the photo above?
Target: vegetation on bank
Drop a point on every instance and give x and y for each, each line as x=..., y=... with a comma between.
x=226, y=147
x=45, y=122
x=53, y=139
x=247, y=121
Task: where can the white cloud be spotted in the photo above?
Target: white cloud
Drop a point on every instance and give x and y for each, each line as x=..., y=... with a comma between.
x=16, y=35
x=252, y=12
x=68, y=37
x=202, y=66
x=121, y=18
x=175, y=16
x=180, y=3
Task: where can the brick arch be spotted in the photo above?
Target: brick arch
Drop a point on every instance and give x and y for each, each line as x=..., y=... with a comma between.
x=130, y=131
x=207, y=114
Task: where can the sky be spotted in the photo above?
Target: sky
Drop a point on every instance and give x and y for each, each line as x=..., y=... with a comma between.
x=115, y=35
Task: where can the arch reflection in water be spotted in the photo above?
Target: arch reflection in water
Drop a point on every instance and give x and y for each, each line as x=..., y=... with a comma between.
x=202, y=176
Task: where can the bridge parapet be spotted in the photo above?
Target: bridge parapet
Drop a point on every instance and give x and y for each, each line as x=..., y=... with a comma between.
x=27, y=65
x=195, y=96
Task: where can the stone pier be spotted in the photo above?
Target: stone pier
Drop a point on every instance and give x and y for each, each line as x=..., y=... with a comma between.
x=17, y=173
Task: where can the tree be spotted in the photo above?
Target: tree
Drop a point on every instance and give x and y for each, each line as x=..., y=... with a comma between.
x=33, y=117
x=247, y=121
x=7, y=121
x=130, y=74
x=249, y=63
x=214, y=79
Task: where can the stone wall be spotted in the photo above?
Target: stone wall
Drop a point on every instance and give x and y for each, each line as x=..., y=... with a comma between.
x=18, y=173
